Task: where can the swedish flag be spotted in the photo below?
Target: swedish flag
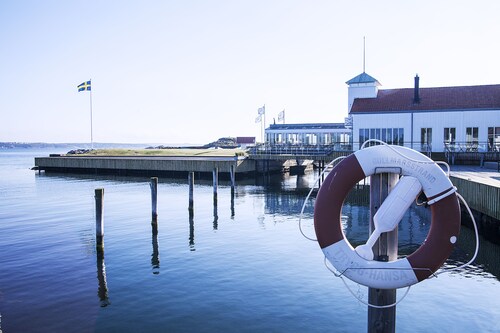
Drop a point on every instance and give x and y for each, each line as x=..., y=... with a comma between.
x=84, y=86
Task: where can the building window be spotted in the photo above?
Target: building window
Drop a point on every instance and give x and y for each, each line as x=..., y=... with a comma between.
x=388, y=132
x=471, y=138
x=472, y=135
x=363, y=136
x=426, y=139
x=494, y=138
x=449, y=135
x=392, y=136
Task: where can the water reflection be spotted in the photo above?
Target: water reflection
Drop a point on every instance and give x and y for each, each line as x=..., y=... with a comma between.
x=155, y=256
x=232, y=202
x=216, y=217
x=102, y=291
x=191, y=231
x=286, y=194
x=170, y=180
x=487, y=263
x=302, y=181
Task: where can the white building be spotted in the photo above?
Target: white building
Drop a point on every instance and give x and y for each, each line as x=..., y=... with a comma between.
x=464, y=118
x=320, y=134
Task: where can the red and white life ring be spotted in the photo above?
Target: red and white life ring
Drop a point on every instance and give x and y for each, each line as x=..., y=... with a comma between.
x=445, y=217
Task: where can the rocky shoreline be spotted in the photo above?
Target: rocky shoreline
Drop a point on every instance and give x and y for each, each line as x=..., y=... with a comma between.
x=224, y=143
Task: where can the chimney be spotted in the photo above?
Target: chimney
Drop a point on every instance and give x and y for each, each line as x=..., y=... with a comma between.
x=416, y=91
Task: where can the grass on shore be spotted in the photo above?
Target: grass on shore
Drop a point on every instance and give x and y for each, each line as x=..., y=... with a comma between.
x=166, y=152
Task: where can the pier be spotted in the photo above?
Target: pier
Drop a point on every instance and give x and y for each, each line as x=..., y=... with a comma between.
x=168, y=166
x=480, y=187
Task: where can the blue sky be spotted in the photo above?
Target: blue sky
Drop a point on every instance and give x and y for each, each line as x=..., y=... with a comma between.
x=192, y=71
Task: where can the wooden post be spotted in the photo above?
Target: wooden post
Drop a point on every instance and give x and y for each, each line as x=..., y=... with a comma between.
x=191, y=190
x=385, y=249
x=154, y=198
x=215, y=174
x=99, y=218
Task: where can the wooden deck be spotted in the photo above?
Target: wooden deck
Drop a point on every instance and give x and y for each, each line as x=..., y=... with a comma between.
x=144, y=165
x=480, y=187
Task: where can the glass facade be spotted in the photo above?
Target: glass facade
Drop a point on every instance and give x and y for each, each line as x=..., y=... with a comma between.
x=426, y=139
x=494, y=138
x=392, y=136
x=471, y=135
x=450, y=135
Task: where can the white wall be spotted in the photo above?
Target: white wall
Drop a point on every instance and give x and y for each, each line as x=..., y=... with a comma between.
x=435, y=120
x=361, y=90
x=458, y=119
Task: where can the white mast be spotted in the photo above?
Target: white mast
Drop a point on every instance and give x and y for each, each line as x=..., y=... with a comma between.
x=91, y=134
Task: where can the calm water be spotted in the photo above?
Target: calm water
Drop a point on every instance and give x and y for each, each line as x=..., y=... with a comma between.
x=238, y=267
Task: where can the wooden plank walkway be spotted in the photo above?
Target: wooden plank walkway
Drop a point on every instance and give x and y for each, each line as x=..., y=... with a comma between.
x=480, y=187
x=476, y=174
x=154, y=165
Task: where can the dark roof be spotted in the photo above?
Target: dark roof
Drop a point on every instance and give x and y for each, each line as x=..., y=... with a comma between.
x=307, y=126
x=362, y=78
x=442, y=98
x=245, y=139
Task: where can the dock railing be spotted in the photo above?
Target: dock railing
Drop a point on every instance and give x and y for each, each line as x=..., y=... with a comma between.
x=299, y=149
x=454, y=152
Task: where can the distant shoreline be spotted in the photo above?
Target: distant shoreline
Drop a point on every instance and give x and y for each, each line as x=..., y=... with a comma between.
x=227, y=142
x=70, y=145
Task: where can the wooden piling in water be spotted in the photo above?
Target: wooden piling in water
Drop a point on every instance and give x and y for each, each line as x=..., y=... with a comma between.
x=99, y=218
x=385, y=249
x=154, y=197
x=191, y=191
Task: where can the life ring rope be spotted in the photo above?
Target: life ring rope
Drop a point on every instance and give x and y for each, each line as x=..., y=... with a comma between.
x=316, y=181
x=426, y=269
x=434, y=199
x=420, y=172
x=360, y=299
x=476, y=233
x=433, y=274
x=451, y=191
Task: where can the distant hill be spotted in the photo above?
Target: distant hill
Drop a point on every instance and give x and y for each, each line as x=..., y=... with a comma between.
x=227, y=143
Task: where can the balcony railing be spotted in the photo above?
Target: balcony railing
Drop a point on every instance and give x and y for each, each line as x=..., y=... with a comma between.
x=472, y=147
x=303, y=149
x=299, y=149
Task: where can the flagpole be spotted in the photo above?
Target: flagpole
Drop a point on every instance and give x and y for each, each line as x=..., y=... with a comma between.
x=91, y=134
x=263, y=139
x=261, y=132
x=261, y=112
